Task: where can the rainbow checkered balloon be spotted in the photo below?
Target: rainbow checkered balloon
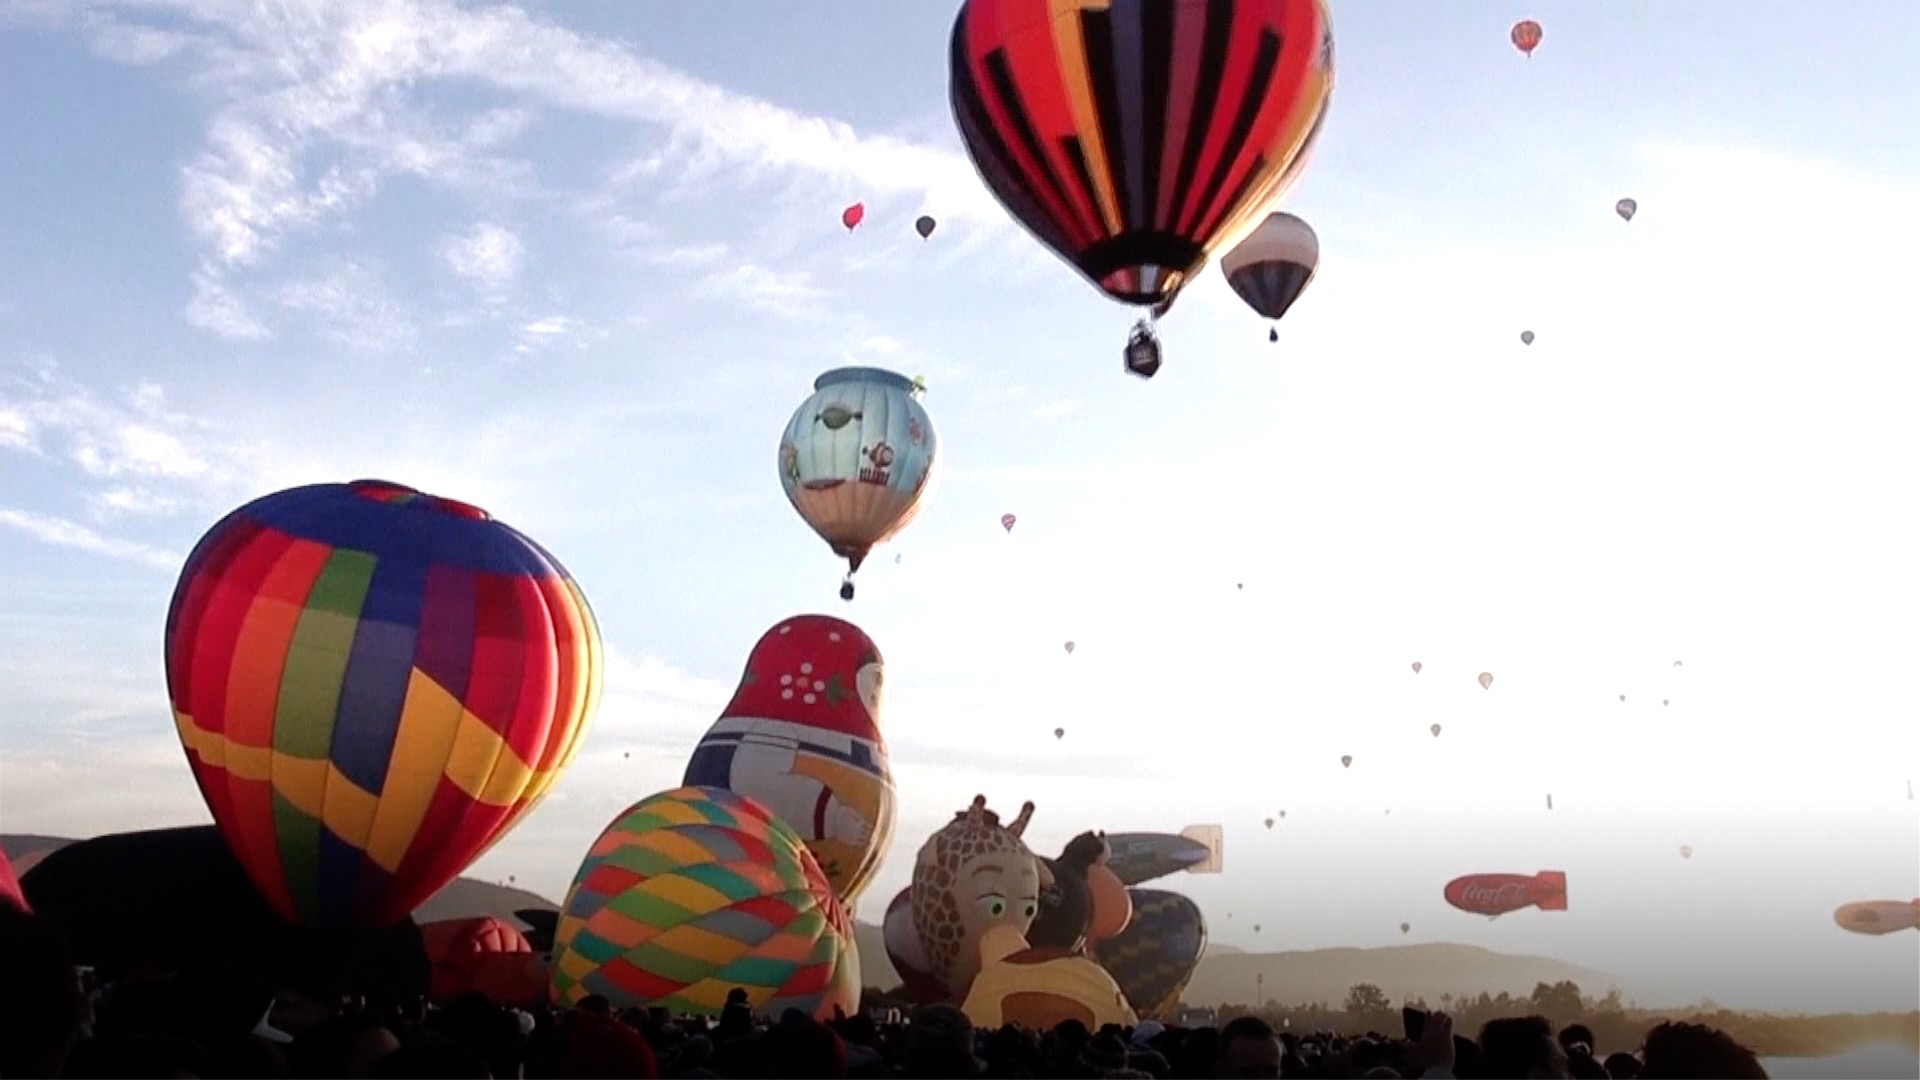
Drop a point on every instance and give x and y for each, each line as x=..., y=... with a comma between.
x=695, y=891
x=373, y=686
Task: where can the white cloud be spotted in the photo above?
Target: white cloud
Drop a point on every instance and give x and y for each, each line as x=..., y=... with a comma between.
x=63, y=533
x=132, y=502
x=488, y=255
x=352, y=305
x=216, y=309
x=1056, y=410
x=138, y=437
x=317, y=111
x=790, y=294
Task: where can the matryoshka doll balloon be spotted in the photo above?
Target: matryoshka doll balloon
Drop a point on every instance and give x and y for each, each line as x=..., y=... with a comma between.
x=802, y=736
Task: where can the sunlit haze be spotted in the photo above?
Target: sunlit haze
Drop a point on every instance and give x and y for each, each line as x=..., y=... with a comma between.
x=578, y=263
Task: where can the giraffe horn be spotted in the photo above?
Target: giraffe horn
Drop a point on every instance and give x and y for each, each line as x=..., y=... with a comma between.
x=1020, y=823
x=977, y=813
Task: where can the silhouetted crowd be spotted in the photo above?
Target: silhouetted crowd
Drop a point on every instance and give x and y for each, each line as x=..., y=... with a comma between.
x=55, y=1023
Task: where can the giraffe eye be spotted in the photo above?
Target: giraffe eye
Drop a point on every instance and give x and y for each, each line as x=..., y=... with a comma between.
x=994, y=904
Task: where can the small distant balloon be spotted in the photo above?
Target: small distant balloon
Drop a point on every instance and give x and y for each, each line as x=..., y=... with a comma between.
x=1346, y=761
x=1436, y=730
x=1549, y=800
x=1059, y=733
x=1676, y=663
x=853, y=215
x=1256, y=928
x=925, y=226
x=1526, y=35
x=1626, y=208
x=1663, y=701
x=1269, y=823
x=1283, y=813
x=1069, y=648
x=1686, y=851
x=1526, y=337
x=1623, y=697
x=1486, y=680
x=1404, y=927
x=1007, y=521
x=1416, y=667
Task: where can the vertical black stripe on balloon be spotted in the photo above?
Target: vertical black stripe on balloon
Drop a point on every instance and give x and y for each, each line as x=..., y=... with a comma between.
x=990, y=153
x=1253, y=97
x=1129, y=69
x=1156, y=85
x=1096, y=35
x=1216, y=42
x=1256, y=171
x=1001, y=75
x=1077, y=157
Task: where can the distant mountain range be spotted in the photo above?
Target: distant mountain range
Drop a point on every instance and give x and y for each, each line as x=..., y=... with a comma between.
x=1226, y=975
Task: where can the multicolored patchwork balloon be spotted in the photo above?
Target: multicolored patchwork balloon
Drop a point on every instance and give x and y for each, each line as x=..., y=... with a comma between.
x=373, y=686
x=692, y=892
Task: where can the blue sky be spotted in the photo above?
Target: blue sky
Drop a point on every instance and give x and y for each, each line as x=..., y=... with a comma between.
x=577, y=264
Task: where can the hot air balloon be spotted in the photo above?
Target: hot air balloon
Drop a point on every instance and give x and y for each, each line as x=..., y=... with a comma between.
x=1498, y=894
x=692, y=892
x=1526, y=337
x=1623, y=697
x=1405, y=927
x=853, y=215
x=858, y=461
x=1059, y=733
x=1273, y=266
x=1626, y=208
x=1346, y=761
x=924, y=226
x=1416, y=667
x=1676, y=663
x=1136, y=141
x=1435, y=729
x=1877, y=917
x=1007, y=521
x=1069, y=647
x=1486, y=680
x=10, y=885
x=1269, y=823
x=1158, y=952
x=1549, y=800
x=802, y=736
x=1136, y=858
x=1663, y=701
x=1686, y=851
x=373, y=686
x=1526, y=36
x=486, y=955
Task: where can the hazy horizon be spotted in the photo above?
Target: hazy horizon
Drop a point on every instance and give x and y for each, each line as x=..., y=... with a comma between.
x=585, y=291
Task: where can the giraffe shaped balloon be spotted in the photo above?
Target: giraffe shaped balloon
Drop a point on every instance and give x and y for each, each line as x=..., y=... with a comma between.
x=973, y=875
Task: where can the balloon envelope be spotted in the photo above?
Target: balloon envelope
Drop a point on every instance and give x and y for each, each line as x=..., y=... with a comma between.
x=1526, y=337
x=693, y=892
x=857, y=460
x=1274, y=264
x=1526, y=35
x=1007, y=521
x=373, y=686
x=1626, y=208
x=1137, y=140
x=802, y=736
x=1158, y=952
x=1140, y=857
x=1486, y=680
x=853, y=215
x=924, y=226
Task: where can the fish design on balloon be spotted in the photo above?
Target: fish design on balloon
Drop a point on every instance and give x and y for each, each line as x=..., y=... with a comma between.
x=802, y=735
x=1499, y=894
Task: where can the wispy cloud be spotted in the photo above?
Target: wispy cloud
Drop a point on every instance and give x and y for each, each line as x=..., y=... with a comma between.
x=71, y=534
x=320, y=103
x=136, y=437
x=790, y=294
x=352, y=306
x=488, y=256
x=1056, y=410
x=215, y=309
